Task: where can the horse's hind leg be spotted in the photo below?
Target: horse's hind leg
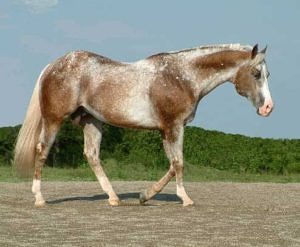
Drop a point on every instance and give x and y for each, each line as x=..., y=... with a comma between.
x=92, y=138
x=46, y=139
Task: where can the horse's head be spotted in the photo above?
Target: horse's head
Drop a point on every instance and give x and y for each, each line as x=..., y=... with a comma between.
x=251, y=81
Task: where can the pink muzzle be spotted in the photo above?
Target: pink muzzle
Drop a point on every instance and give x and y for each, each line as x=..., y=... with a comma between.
x=266, y=109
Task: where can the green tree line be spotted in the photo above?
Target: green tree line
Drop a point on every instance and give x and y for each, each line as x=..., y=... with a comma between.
x=201, y=148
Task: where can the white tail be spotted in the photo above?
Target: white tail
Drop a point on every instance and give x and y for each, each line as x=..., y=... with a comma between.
x=28, y=136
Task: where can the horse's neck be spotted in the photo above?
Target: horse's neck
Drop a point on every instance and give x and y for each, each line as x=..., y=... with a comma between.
x=213, y=80
x=212, y=70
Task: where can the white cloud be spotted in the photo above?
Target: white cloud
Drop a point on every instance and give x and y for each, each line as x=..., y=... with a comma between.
x=39, y=6
x=99, y=31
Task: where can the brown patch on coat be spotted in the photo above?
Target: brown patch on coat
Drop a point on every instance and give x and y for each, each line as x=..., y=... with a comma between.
x=172, y=97
x=246, y=85
x=84, y=88
x=54, y=99
x=56, y=93
x=221, y=60
x=243, y=81
x=171, y=74
x=107, y=99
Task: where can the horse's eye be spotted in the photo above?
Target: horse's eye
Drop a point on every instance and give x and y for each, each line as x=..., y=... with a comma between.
x=257, y=74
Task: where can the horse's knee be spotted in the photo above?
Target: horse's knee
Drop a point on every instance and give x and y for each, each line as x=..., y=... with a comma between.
x=87, y=156
x=177, y=165
x=91, y=156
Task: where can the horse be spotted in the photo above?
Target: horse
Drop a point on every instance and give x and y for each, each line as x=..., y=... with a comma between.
x=160, y=92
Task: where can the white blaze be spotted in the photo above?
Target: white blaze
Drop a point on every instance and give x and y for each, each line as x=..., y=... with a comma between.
x=265, y=87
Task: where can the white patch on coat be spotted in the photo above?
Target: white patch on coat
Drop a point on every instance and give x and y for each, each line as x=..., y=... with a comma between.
x=36, y=190
x=138, y=107
x=265, y=86
x=36, y=186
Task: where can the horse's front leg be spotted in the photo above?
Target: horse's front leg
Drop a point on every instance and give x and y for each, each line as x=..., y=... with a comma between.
x=173, y=145
x=174, y=150
x=177, y=163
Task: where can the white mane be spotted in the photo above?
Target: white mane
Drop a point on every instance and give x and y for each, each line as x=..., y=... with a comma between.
x=209, y=49
x=218, y=47
x=227, y=46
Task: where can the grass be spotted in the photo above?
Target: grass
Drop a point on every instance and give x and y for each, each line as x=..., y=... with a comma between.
x=129, y=172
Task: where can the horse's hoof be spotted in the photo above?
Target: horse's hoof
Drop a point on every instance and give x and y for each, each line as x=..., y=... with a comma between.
x=187, y=203
x=114, y=202
x=39, y=204
x=142, y=198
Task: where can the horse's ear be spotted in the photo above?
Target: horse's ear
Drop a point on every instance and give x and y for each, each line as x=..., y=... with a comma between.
x=263, y=51
x=254, y=51
x=257, y=57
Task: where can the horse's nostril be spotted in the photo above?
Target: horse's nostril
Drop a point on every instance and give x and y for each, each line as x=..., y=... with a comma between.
x=269, y=108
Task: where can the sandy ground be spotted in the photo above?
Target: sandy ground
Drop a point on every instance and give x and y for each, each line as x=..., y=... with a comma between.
x=224, y=214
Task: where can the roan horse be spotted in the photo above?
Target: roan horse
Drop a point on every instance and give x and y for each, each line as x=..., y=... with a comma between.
x=161, y=92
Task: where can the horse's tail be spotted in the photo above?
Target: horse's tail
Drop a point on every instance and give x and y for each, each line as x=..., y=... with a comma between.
x=25, y=148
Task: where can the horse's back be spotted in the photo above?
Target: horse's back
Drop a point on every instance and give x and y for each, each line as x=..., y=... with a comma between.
x=114, y=92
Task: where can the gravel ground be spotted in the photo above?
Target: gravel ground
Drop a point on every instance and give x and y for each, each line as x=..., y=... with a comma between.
x=224, y=214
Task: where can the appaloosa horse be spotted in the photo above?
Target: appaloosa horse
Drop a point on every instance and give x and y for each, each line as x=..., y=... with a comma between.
x=161, y=92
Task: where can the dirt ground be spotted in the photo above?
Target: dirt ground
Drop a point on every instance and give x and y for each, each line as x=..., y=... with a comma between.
x=224, y=214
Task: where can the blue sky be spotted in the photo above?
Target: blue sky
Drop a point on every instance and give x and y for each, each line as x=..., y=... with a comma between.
x=36, y=32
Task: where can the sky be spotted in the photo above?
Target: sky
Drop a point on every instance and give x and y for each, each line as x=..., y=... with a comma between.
x=34, y=33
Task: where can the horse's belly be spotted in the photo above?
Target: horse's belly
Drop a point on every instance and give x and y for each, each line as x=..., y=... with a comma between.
x=140, y=112
x=135, y=112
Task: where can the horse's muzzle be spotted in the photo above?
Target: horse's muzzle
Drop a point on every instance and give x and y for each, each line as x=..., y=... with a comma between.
x=266, y=109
